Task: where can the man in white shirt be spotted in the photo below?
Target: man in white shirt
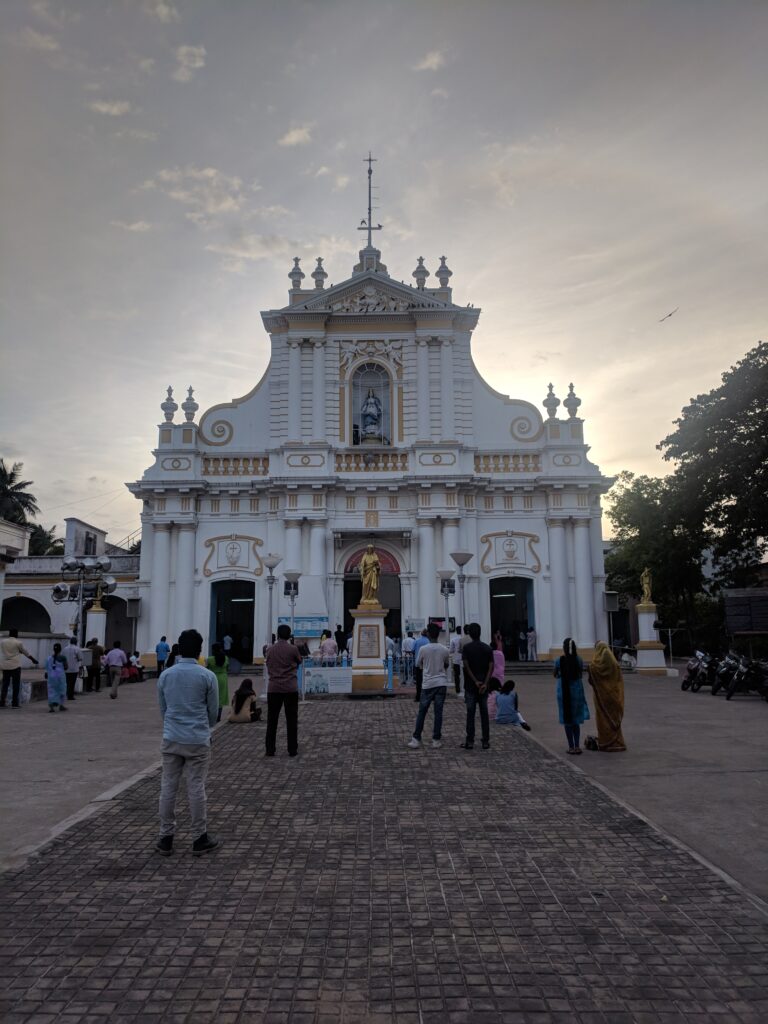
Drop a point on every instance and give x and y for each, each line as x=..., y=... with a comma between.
x=433, y=660
x=74, y=659
x=227, y=643
x=455, y=650
x=407, y=670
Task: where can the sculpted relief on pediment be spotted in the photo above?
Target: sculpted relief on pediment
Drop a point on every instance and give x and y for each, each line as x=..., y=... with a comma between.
x=370, y=299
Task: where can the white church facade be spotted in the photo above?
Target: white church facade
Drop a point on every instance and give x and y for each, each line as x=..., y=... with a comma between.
x=371, y=424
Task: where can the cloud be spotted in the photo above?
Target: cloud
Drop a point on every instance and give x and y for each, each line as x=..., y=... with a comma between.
x=432, y=61
x=137, y=133
x=207, y=192
x=30, y=39
x=42, y=10
x=296, y=136
x=147, y=65
x=439, y=94
x=114, y=109
x=137, y=226
x=190, y=59
x=342, y=180
x=162, y=11
x=112, y=315
x=272, y=212
x=322, y=170
x=249, y=248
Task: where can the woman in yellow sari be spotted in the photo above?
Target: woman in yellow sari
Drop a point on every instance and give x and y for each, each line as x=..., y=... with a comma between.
x=608, y=687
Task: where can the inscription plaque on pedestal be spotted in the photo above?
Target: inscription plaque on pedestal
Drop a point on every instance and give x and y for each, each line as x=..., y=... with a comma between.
x=367, y=642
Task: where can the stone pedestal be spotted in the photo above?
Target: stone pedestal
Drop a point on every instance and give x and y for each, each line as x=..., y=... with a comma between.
x=650, y=653
x=368, y=649
x=96, y=625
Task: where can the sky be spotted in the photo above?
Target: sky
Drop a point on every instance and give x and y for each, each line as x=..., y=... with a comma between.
x=587, y=166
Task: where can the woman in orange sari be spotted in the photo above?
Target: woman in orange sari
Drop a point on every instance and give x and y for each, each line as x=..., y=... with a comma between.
x=608, y=687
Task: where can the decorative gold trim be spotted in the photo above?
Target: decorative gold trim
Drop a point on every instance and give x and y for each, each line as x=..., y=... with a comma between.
x=255, y=542
x=532, y=538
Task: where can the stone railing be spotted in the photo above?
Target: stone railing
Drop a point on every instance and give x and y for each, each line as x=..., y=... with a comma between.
x=507, y=462
x=235, y=465
x=372, y=462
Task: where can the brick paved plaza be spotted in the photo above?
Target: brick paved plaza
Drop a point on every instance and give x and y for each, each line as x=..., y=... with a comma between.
x=365, y=882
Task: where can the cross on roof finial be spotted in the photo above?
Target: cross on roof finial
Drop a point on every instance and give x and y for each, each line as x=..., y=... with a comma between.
x=368, y=225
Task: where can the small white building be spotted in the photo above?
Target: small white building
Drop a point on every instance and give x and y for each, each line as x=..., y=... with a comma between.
x=372, y=424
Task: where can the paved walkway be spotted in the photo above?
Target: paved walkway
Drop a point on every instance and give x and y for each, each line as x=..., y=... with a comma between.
x=362, y=882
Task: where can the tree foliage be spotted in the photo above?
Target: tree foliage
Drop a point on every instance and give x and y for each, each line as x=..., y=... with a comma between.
x=17, y=503
x=721, y=450
x=45, y=542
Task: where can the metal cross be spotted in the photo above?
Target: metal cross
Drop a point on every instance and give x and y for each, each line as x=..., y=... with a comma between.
x=368, y=225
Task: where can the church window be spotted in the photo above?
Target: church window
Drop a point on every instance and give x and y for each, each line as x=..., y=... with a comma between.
x=350, y=503
x=425, y=499
x=254, y=505
x=90, y=544
x=528, y=502
x=469, y=501
x=186, y=504
x=160, y=505
x=371, y=405
x=557, y=501
x=393, y=503
x=583, y=500
x=371, y=501
x=215, y=504
x=234, y=504
x=317, y=501
x=508, y=503
x=293, y=501
x=489, y=503
x=274, y=503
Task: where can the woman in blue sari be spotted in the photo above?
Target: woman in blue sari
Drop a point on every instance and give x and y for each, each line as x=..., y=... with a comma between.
x=571, y=702
x=55, y=667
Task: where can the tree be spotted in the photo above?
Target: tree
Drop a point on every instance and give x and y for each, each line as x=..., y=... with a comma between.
x=721, y=450
x=16, y=502
x=45, y=542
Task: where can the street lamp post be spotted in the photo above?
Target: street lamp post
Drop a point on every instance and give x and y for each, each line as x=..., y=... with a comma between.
x=79, y=574
x=447, y=586
x=271, y=561
x=292, y=591
x=461, y=558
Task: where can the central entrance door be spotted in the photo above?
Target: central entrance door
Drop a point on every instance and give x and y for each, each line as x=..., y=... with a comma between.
x=389, y=590
x=232, y=614
x=512, y=612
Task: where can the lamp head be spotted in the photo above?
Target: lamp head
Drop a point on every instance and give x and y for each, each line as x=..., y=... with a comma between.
x=461, y=557
x=272, y=561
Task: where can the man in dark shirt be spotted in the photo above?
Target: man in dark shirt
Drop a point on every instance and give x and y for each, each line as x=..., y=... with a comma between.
x=477, y=661
x=282, y=660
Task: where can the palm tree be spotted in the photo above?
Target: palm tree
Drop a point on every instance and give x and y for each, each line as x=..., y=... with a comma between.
x=45, y=542
x=16, y=502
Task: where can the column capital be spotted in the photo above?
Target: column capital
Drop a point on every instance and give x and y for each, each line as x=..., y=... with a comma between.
x=581, y=521
x=162, y=527
x=555, y=522
x=291, y=523
x=452, y=522
x=319, y=342
x=187, y=527
x=425, y=522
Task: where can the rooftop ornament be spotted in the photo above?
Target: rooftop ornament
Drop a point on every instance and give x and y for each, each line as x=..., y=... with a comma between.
x=551, y=402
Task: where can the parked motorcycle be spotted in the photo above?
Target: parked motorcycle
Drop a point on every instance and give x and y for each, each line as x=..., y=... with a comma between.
x=749, y=677
x=725, y=673
x=692, y=670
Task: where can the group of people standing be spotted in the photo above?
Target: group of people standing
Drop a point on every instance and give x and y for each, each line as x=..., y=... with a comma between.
x=606, y=680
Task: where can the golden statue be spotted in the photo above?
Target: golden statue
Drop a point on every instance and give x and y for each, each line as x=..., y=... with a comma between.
x=645, y=583
x=370, y=568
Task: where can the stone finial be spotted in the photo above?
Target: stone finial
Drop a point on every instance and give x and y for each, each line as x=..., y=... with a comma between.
x=421, y=274
x=551, y=402
x=296, y=275
x=572, y=402
x=318, y=274
x=443, y=273
x=169, y=407
x=189, y=405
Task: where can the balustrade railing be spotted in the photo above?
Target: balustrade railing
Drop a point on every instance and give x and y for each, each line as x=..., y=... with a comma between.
x=235, y=465
x=507, y=462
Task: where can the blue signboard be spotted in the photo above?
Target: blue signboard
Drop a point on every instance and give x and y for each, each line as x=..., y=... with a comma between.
x=305, y=625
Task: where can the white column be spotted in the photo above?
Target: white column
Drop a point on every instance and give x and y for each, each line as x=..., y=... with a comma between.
x=145, y=555
x=294, y=390
x=558, y=568
x=428, y=593
x=161, y=570
x=450, y=543
x=185, y=574
x=447, y=422
x=423, y=428
x=318, y=391
x=585, y=616
x=317, y=534
x=292, y=558
x=598, y=577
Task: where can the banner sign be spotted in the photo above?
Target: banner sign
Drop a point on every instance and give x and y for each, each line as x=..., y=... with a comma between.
x=327, y=680
x=305, y=625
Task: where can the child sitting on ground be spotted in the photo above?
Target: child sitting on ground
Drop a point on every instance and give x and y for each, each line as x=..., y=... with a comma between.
x=493, y=689
x=244, y=707
x=506, y=707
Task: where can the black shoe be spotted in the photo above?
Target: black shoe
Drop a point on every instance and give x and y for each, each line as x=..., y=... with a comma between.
x=51, y=709
x=294, y=754
x=467, y=746
x=269, y=753
x=15, y=705
x=525, y=726
x=204, y=844
x=62, y=708
x=164, y=846
x=486, y=745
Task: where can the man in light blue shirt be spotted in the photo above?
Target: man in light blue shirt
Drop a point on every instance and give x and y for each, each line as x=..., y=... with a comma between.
x=162, y=650
x=189, y=701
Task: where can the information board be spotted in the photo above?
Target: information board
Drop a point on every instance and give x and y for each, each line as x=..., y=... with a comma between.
x=327, y=680
x=305, y=625
x=368, y=642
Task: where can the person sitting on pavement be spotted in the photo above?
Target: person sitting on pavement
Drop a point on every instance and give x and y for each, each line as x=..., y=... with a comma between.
x=494, y=687
x=506, y=707
x=189, y=701
x=244, y=705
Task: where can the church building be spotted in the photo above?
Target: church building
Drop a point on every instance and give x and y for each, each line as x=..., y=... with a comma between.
x=371, y=424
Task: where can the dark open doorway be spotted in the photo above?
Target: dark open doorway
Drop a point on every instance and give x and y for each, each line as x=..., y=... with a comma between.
x=512, y=611
x=389, y=597
x=232, y=614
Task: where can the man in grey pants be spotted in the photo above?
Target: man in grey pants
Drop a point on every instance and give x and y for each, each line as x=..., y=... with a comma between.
x=189, y=701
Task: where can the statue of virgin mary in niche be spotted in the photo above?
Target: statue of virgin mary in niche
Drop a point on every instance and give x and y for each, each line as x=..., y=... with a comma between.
x=370, y=414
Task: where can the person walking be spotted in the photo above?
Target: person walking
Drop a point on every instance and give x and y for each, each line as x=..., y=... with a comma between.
x=532, y=639
x=433, y=660
x=407, y=671
x=115, y=662
x=328, y=649
x=188, y=695
x=522, y=645
x=477, y=660
x=499, y=662
x=607, y=684
x=94, y=654
x=162, y=650
x=455, y=649
x=341, y=640
x=73, y=657
x=418, y=675
x=56, y=679
x=12, y=650
x=218, y=663
x=571, y=702
x=282, y=660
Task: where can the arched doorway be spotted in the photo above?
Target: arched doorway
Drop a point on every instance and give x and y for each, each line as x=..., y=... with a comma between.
x=512, y=611
x=26, y=615
x=389, y=589
x=233, y=606
x=118, y=626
